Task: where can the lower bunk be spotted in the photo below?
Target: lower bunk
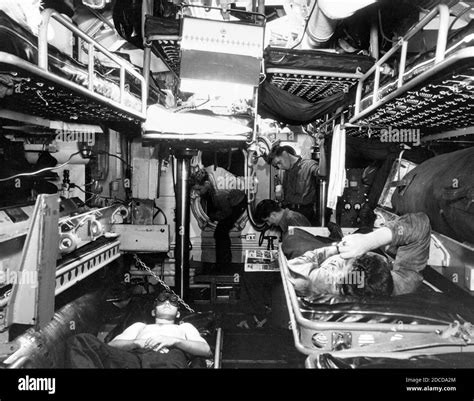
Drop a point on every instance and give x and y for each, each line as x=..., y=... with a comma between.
x=101, y=316
x=422, y=328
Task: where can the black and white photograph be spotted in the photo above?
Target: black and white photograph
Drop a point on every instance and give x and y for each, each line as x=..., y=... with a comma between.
x=236, y=200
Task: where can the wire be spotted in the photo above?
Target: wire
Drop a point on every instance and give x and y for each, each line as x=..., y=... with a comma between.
x=305, y=25
x=97, y=195
x=39, y=171
x=158, y=211
x=381, y=28
x=118, y=157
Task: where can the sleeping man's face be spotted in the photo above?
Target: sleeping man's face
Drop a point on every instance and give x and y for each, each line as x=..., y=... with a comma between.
x=330, y=277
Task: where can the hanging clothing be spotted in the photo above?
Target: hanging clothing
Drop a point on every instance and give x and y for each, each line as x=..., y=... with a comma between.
x=337, y=174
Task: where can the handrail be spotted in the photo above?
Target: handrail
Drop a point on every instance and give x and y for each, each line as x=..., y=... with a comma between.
x=442, y=39
x=125, y=66
x=294, y=326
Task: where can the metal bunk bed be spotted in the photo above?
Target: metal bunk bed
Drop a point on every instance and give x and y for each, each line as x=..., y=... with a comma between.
x=312, y=74
x=51, y=88
x=54, y=86
x=240, y=47
x=331, y=323
x=434, y=92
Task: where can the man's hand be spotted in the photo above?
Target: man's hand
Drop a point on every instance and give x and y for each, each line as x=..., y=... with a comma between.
x=156, y=343
x=353, y=245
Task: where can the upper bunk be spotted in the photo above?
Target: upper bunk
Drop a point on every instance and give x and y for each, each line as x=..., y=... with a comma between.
x=215, y=54
x=43, y=81
x=431, y=90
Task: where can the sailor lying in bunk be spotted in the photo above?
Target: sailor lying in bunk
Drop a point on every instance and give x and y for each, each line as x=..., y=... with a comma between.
x=352, y=268
x=160, y=345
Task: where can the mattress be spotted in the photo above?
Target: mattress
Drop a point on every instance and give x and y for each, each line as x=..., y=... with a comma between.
x=312, y=74
x=35, y=88
x=198, y=126
x=423, y=307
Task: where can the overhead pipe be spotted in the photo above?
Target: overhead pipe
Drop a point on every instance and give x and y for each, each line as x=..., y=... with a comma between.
x=324, y=17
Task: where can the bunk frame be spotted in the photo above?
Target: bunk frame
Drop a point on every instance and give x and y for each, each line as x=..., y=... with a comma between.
x=440, y=97
x=311, y=84
x=167, y=47
x=47, y=94
x=362, y=338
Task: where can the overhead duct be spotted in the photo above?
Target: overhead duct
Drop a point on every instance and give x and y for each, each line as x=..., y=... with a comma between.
x=324, y=18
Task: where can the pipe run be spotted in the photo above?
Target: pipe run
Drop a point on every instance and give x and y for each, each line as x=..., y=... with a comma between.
x=324, y=18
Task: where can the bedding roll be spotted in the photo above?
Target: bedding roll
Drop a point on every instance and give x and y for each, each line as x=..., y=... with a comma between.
x=443, y=188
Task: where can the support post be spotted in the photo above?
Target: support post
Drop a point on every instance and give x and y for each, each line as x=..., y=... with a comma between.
x=183, y=157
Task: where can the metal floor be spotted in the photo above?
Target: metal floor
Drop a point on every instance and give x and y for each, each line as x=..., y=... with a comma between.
x=268, y=347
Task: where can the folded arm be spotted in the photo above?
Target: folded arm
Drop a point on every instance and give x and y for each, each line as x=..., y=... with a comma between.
x=127, y=340
x=192, y=347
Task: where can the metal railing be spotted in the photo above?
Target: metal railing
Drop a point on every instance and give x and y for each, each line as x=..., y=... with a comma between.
x=93, y=46
x=402, y=43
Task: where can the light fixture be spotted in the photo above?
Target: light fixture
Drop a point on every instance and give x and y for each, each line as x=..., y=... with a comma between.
x=220, y=57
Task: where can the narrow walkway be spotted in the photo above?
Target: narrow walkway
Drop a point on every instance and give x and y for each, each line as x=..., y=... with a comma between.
x=268, y=347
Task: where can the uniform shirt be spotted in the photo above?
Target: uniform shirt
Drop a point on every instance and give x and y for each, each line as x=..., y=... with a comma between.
x=410, y=244
x=228, y=191
x=291, y=218
x=299, y=184
x=325, y=279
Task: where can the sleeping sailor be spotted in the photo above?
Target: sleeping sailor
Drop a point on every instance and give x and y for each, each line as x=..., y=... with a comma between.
x=353, y=268
x=163, y=344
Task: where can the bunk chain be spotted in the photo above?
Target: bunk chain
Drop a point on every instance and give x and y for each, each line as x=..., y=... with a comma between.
x=139, y=262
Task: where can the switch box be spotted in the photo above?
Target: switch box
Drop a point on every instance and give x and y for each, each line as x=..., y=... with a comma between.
x=143, y=238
